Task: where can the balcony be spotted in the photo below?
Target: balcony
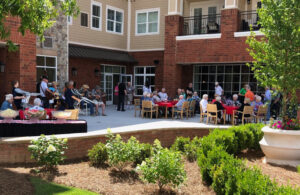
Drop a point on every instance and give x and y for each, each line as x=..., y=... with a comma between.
x=249, y=18
x=197, y=25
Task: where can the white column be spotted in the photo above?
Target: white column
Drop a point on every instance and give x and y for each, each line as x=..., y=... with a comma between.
x=175, y=7
x=230, y=4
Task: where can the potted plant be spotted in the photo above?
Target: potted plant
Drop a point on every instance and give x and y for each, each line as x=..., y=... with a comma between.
x=277, y=63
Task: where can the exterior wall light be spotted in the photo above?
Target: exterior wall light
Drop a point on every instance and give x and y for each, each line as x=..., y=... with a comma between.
x=2, y=67
x=97, y=72
x=74, y=72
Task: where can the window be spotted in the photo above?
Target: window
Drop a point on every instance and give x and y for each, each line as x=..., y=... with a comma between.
x=141, y=75
x=96, y=16
x=70, y=20
x=46, y=65
x=231, y=77
x=84, y=19
x=114, y=20
x=147, y=22
x=212, y=11
x=48, y=42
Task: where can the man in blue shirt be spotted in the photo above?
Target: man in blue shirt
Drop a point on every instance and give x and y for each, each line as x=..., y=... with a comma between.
x=7, y=104
x=180, y=102
x=267, y=101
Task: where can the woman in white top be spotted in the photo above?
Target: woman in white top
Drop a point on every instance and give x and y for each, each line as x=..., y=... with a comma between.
x=147, y=88
x=204, y=103
x=163, y=95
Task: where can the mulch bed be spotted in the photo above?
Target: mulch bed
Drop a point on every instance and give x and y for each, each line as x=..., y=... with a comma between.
x=110, y=181
x=284, y=175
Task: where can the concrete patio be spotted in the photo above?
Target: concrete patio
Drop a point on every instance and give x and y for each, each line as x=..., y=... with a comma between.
x=117, y=120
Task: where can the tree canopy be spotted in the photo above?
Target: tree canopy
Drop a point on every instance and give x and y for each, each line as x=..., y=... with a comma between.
x=35, y=15
x=277, y=54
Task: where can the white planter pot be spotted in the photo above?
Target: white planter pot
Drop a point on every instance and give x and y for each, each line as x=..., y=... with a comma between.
x=281, y=147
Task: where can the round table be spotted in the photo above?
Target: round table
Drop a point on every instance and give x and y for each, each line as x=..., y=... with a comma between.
x=168, y=104
x=230, y=110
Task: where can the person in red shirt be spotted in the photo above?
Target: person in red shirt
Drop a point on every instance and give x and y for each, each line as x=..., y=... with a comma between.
x=249, y=94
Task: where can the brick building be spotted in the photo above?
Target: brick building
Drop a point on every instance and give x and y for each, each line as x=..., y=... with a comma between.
x=166, y=42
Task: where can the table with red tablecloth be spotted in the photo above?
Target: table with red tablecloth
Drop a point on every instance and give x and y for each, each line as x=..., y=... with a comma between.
x=230, y=110
x=48, y=111
x=168, y=104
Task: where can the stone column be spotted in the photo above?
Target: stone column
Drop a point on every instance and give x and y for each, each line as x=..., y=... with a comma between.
x=61, y=41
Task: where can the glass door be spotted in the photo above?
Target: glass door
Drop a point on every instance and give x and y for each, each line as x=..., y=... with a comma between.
x=108, y=87
x=197, y=21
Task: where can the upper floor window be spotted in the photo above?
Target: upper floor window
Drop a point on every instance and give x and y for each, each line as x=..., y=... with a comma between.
x=114, y=20
x=147, y=22
x=96, y=15
x=48, y=42
x=84, y=19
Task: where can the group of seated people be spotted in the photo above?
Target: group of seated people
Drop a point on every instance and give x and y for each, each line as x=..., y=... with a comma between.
x=50, y=96
x=223, y=101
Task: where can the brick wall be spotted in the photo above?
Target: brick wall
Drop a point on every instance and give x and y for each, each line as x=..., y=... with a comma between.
x=147, y=59
x=16, y=152
x=20, y=65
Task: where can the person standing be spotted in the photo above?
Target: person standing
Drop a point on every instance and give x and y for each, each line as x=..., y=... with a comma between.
x=130, y=94
x=147, y=88
x=218, y=89
x=267, y=101
x=122, y=93
x=242, y=93
x=189, y=89
x=249, y=94
x=43, y=90
x=116, y=94
x=18, y=94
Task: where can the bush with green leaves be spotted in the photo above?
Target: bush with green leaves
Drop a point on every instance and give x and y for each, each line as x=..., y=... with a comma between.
x=179, y=144
x=98, y=155
x=48, y=151
x=145, y=151
x=164, y=167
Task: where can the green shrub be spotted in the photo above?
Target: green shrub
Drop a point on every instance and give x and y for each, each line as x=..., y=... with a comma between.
x=164, y=167
x=298, y=168
x=244, y=137
x=117, y=152
x=48, y=151
x=98, y=154
x=257, y=133
x=179, y=144
x=145, y=152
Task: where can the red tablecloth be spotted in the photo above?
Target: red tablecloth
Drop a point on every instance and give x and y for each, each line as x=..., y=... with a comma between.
x=48, y=110
x=167, y=104
x=230, y=109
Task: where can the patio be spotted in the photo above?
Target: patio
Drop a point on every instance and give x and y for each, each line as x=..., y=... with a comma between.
x=124, y=120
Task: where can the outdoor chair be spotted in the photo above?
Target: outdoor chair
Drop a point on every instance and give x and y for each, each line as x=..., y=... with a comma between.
x=247, y=114
x=184, y=110
x=202, y=114
x=261, y=114
x=137, y=106
x=74, y=115
x=147, y=107
x=192, y=106
x=212, y=113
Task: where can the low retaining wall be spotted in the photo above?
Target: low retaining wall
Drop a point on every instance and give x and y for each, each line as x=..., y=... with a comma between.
x=14, y=150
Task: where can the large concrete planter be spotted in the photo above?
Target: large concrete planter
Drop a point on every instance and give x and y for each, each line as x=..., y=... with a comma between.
x=281, y=147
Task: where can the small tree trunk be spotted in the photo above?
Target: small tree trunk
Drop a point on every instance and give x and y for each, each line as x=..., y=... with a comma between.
x=284, y=108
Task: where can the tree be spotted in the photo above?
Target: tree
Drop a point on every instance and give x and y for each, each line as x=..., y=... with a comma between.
x=277, y=54
x=35, y=15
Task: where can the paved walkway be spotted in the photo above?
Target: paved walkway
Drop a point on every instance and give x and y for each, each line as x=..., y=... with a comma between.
x=119, y=120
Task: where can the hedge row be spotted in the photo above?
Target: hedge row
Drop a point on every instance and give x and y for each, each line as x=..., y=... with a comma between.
x=220, y=169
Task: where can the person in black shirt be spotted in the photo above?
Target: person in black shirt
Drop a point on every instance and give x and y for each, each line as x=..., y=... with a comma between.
x=122, y=93
x=189, y=89
x=70, y=97
x=18, y=94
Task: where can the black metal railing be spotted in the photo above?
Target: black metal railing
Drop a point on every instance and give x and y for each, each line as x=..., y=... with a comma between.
x=196, y=25
x=249, y=18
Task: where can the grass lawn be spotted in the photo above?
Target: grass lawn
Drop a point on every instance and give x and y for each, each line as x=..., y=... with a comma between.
x=43, y=188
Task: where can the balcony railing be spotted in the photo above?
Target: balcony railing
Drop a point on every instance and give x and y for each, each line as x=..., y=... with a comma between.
x=247, y=19
x=196, y=25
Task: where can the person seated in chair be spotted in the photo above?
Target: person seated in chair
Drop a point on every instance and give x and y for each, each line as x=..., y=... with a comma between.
x=37, y=105
x=163, y=95
x=179, y=104
x=85, y=93
x=7, y=104
x=98, y=95
x=257, y=103
x=155, y=97
x=204, y=103
x=219, y=107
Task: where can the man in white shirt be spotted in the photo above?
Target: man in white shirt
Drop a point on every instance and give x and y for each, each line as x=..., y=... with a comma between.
x=218, y=89
x=204, y=103
x=43, y=89
x=163, y=95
